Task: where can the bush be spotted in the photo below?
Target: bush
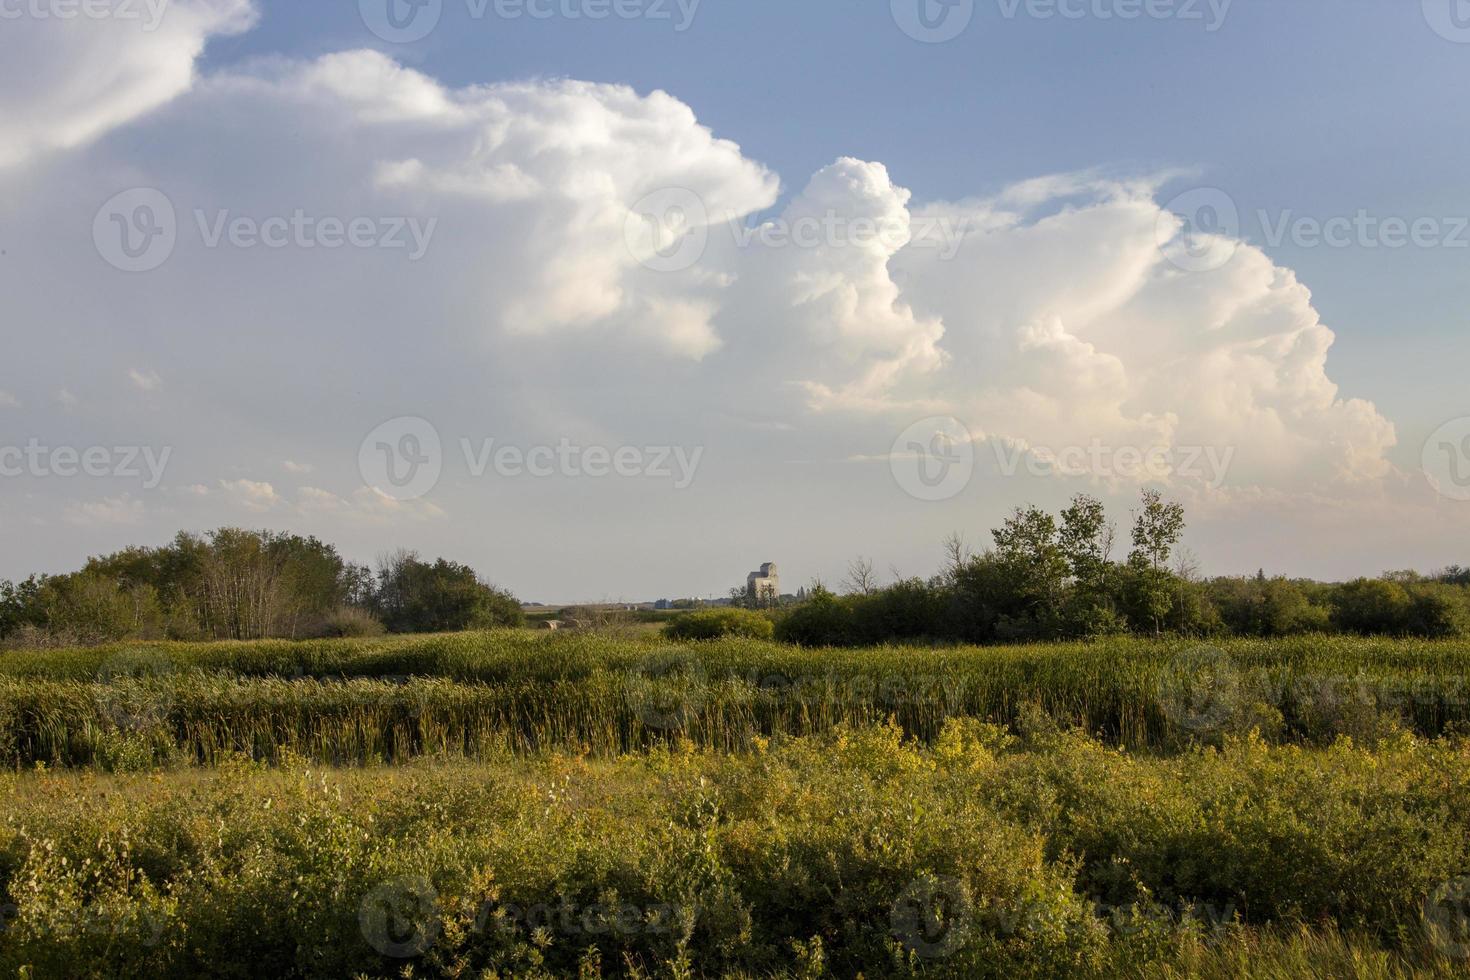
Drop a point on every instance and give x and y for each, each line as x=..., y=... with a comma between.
x=1437, y=610
x=823, y=620
x=854, y=853
x=712, y=624
x=907, y=610
x=350, y=621
x=1371, y=606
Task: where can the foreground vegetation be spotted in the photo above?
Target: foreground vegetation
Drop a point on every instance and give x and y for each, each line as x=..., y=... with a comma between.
x=511, y=803
x=984, y=854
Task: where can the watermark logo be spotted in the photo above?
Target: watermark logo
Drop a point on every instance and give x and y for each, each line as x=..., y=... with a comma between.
x=1446, y=459
x=135, y=689
x=36, y=459
x=148, y=12
x=932, y=917
x=834, y=229
x=400, y=918
x=680, y=13
x=402, y=458
x=1208, y=464
x=569, y=919
x=933, y=459
x=1210, y=13
x=1198, y=689
x=1364, y=230
x=1199, y=230
x=136, y=230
x=1447, y=918
x=401, y=21
x=667, y=230
x=568, y=459
x=1450, y=19
x=932, y=21
x=305, y=231
x=666, y=689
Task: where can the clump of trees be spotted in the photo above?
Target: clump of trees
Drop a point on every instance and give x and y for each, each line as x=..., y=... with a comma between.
x=236, y=584
x=1048, y=577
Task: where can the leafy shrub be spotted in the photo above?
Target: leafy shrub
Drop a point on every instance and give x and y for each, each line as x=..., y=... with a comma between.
x=851, y=853
x=1437, y=610
x=414, y=596
x=712, y=624
x=350, y=621
x=1371, y=606
x=822, y=620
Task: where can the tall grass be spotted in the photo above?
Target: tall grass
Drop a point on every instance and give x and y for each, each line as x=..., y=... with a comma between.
x=476, y=694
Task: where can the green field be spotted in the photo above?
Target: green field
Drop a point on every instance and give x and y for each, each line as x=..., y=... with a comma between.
x=522, y=804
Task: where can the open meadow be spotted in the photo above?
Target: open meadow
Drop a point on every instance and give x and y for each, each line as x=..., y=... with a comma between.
x=516, y=803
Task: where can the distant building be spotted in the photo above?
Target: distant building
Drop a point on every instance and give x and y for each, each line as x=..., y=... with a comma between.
x=763, y=587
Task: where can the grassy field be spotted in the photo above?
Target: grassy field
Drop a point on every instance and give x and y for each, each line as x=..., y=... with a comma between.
x=522, y=804
x=364, y=701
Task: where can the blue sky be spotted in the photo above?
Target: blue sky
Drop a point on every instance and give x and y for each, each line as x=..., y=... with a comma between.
x=1073, y=301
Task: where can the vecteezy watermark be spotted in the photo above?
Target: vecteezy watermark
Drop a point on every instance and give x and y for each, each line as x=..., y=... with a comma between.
x=935, y=916
x=932, y=21
x=400, y=917
x=1199, y=230
x=137, y=230
x=569, y=459
x=834, y=229
x=1198, y=689
x=139, y=923
x=570, y=919
x=401, y=21
x=933, y=459
x=1447, y=918
x=666, y=689
x=937, y=21
x=135, y=689
x=39, y=460
x=148, y=13
x=1450, y=19
x=1364, y=230
x=668, y=230
x=406, y=21
x=1208, y=464
x=932, y=917
x=1210, y=13
x=1446, y=459
x=403, y=458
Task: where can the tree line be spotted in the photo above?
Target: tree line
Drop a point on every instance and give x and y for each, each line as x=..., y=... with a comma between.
x=1047, y=577
x=237, y=584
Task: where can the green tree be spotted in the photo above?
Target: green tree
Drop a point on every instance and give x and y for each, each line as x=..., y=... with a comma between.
x=92, y=608
x=1086, y=537
x=1033, y=571
x=1157, y=527
x=414, y=596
